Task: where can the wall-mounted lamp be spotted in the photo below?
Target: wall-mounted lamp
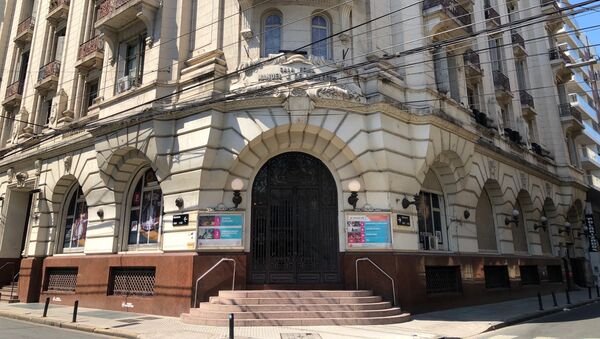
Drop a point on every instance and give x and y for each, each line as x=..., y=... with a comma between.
x=543, y=224
x=354, y=187
x=566, y=229
x=514, y=219
x=466, y=214
x=237, y=185
x=406, y=203
x=1, y=198
x=100, y=213
x=179, y=202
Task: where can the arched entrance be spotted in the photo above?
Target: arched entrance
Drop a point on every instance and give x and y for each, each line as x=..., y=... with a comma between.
x=294, y=223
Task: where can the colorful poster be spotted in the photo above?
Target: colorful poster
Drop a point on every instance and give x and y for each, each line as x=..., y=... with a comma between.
x=220, y=230
x=368, y=231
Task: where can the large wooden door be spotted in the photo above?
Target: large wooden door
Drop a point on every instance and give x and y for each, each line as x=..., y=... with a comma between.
x=294, y=223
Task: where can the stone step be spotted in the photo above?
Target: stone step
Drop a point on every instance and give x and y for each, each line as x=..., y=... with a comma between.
x=298, y=314
x=294, y=301
x=293, y=294
x=210, y=307
x=187, y=318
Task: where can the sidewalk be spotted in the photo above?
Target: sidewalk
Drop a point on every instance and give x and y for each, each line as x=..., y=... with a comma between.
x=459, y=322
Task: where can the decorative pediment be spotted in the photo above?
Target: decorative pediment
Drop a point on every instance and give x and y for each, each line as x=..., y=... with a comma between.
x=315, y=76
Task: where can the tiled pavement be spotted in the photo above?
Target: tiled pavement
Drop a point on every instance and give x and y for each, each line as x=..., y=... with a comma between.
x=460, y=322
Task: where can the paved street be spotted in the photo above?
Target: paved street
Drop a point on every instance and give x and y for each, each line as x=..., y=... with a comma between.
x=16, y=329
x=578, y=323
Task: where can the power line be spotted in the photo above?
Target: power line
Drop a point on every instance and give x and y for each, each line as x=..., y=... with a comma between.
x=352, y=67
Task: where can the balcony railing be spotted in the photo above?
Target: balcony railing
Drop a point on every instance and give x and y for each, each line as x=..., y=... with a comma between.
x=56, y=3
x=526, y=98
x=50, y=69
x=96, y=44
x=501, y=81
x=108, y=6
x=518, y=39
x=25, y=25
x=558, y=54
x=492, y=15
x=455, y=9
x=567, y=111
x=472, y=58
x=14, y=88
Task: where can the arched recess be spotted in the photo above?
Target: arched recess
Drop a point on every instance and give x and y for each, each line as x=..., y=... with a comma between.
x=432, y=209
x=119, y=173
x=59, y=201
x=520, y=230
x=336, y=154
x=551, y=213
x=490, y=200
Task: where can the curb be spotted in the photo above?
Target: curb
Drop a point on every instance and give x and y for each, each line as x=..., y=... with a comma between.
x=69, y=325
x=538, y=314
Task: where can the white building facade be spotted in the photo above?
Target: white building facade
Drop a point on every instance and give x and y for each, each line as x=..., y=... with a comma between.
x=458, y=126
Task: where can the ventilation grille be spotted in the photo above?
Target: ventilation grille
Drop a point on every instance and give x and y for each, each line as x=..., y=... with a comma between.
x=554, y=273
x=134, y=281
x=529, y=275
x=61, y=279
x=496, y=277
x=443, y=279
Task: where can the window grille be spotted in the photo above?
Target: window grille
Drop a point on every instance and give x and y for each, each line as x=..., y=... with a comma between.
x=554, y=273
x=61, y=279
x=529, y=275
x=496, y=277
x=443, y=279
x=132, y=281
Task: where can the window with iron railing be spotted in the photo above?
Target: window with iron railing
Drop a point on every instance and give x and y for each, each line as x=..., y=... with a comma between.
x=443, y=279
x=496, y=277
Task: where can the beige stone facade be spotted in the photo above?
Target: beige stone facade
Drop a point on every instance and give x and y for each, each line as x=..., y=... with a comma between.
x=94, y=95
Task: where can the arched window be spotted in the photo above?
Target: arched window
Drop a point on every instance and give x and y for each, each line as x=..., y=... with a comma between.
x=76, y=221
x=320, y=30
x=146, y=211
x=272, y=34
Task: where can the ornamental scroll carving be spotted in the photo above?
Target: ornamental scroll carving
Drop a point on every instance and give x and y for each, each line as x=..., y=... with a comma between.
x=320, y=79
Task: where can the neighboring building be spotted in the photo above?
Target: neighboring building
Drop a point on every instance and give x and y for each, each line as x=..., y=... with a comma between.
x=131, y=165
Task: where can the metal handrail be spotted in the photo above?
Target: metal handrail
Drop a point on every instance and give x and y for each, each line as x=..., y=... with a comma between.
x=382, y=271
x=209, y=270
x=12, y=284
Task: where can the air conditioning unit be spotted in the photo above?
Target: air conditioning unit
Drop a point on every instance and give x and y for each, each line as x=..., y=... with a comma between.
x=433, y=242
x=123, y=84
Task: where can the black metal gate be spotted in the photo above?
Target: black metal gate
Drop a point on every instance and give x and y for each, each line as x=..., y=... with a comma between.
x=294, y=223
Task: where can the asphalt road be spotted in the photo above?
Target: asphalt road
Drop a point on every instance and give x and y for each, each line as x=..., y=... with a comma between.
x=15, y=329
x=581, y=322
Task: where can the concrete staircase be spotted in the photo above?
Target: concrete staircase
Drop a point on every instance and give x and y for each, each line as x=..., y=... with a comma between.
x=295, y=308
x=5, y=296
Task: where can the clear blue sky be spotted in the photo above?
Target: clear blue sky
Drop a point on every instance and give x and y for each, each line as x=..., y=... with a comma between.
x=587, y=19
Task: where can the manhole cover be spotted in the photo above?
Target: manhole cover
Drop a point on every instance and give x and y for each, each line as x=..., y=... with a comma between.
x=300, y=336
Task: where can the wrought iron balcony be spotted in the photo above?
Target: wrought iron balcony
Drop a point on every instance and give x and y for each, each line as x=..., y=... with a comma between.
x=25, y=31
x=518, y=44
x=527, y=105
x=48, y=76
x=472, y=62
x=58, y=11
x=571, y=118
x=116, y=14
x=14, y=94
x=526, y=98
x=91, y=53
x=558, y=54
x=501, y=81
x=559, y=60
x=453, y=10
x=491, y=15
